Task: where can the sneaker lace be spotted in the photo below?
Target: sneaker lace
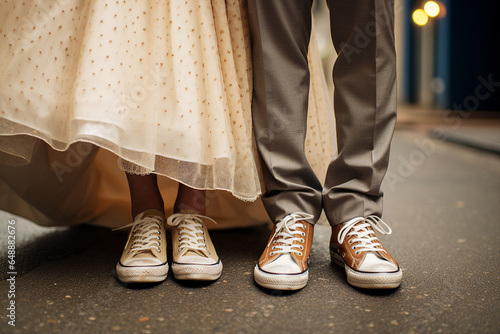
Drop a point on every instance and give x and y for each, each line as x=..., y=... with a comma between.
x=285, y=234
x=366, y=237
x=145, y=233
x=191, y=233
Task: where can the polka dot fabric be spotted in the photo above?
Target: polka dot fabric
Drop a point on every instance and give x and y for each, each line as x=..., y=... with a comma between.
x=165, y=85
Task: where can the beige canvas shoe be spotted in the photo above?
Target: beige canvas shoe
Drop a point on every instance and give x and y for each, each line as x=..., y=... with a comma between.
x=193, y=253
x=367, y=263
x=144, y=259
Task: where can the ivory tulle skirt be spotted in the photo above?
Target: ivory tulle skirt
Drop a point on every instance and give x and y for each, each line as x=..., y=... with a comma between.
x=161, y=87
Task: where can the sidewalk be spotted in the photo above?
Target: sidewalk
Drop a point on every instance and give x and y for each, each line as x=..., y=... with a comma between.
x=442, y=202
x=479, y=130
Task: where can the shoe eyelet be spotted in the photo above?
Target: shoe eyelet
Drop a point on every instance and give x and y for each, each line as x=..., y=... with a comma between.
x=343, y=254
x=159, y=250
x=350, y=242
x=353, y=247
x=300, y=254
x=274, y=241
x=357, y=252
x=273, y=247
x=303, y=234
x=271, y=254
x=302, y=240
x=301, y=247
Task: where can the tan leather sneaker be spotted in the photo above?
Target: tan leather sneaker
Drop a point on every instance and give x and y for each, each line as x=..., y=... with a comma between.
x=367, y=263
x=283, y=264
x=193, y=253
x=144, y=259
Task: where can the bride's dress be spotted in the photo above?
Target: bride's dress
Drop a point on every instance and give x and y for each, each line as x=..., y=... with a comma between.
x=161, y=87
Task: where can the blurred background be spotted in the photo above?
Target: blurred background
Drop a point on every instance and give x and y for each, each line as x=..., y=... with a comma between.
x=447, y=51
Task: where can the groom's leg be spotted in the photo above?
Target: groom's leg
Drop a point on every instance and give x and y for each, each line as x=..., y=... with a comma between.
x=280, y=33
x=365, y=106
x=365, y=109
x=280, y=38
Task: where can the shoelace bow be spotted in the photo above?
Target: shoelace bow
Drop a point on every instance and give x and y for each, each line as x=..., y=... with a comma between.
x=145, y=233
x=366, y=238
x=285, y=234
x=191, y=233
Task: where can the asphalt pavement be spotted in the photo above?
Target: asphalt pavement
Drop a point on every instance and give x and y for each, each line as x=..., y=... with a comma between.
x=442, y=202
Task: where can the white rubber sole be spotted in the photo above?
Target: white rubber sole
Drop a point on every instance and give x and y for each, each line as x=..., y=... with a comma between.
x=366, y=280
x=197, y=272
x=280, y=281
x=149, y=274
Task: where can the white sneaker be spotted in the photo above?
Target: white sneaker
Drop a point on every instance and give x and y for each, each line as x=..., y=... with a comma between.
x=144, y=259
x=193, y=253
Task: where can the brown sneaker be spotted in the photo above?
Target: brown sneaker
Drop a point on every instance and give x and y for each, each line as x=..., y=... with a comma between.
x=283, y=265
x=367, y=263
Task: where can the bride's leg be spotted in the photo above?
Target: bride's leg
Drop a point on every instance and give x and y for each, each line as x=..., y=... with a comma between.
x=144, y=193
x=144, y=258
x=190, y=200
x=193, y=253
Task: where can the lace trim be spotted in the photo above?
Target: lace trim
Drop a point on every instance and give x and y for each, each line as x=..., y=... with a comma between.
x=221, y=175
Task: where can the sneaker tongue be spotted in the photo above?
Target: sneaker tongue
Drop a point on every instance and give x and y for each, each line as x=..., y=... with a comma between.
x=364, y=229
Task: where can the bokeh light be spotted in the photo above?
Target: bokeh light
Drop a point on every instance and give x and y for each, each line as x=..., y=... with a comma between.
x=431, y=8
x=420, y=17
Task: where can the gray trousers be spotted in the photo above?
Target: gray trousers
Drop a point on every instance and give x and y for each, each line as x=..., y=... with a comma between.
x=364, y=76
